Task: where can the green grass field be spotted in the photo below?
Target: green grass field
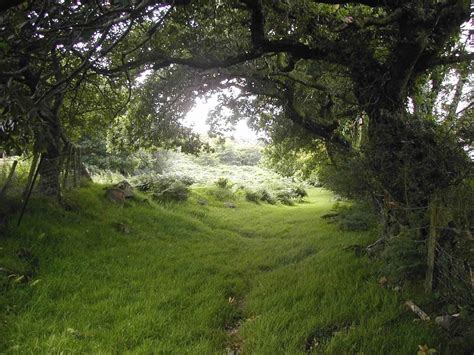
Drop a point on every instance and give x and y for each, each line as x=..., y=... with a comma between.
x=193, y=279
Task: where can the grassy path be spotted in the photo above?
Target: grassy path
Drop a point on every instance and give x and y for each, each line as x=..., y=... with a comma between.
x=257, y=279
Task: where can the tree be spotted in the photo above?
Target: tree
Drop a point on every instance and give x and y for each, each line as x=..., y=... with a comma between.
x=50, y=53
x=322, y=67
x=330, y=68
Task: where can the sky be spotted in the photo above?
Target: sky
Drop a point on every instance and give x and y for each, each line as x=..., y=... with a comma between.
x=196, y=119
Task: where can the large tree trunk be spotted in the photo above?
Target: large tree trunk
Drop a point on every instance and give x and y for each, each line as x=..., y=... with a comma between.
x=50, y=167
x=49, y=174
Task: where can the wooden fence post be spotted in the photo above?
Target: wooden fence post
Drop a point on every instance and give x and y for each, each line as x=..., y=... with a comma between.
x=34, y=163
x=66, y=171
x=29, y=190
x=75, y=167
x=432, y=239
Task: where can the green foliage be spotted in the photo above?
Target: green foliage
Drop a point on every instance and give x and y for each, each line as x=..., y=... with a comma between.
x=290, y=194
x=299, y=192
x=187, y=180
x=153, y=117
x=157, y=183
x=176, y=191
x=20, y=175
x=405, y=257
x=100, y=157
x=252, y=196
x=294, y=158
x=223, y=183
x=232, y=154
x=285, y=197
x=165, y=188
x=205, y=173
x=356, y=217
x=349, y=178
x=222, y=194
x=267, y=197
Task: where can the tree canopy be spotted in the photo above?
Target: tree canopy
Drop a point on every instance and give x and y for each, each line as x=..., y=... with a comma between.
x=342, y=72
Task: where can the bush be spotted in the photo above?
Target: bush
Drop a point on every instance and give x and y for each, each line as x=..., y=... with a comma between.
x=267, y=197
x=349, y=179
x=299, y=192
x=405, y=258
x=159, y=183
x=165, y=188
x=313, y=180
x=356, y=217
x=223, y=183
x=222, y=194
x=177, y=192
x=285, y=197
x=252, y=196
x=187, y=180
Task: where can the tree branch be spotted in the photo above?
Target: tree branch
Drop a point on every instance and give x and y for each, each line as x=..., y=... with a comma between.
x=325, y=132
x=371, y=3
x=8, y=4
x=453, y=59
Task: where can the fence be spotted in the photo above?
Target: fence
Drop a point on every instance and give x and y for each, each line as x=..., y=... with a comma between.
x=20, y=174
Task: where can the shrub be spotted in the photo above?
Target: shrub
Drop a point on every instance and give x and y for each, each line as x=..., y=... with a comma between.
x=405, y=258
x=252, y=196
x=313, y=180
x=223, y=183
x=153, y=183
x=177, y=192
x=285, y=197
x=349, y=179
x=356, y=217
x=159, y=183
x=267, y=197
x=187, y=180
x=299, y=192
x=222, y=194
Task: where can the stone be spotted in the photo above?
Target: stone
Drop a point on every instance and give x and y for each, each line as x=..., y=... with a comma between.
x=84, y=172
x=229, y=204
x=115, y=195
x=446, y=321
x=126, y=188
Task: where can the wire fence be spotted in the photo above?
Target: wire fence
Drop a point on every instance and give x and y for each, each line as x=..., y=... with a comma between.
x=19, y=170
x=453, y=277
x=19, y=175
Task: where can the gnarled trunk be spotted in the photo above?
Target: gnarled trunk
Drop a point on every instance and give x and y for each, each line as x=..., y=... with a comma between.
x=50, y=168
x=49, y=174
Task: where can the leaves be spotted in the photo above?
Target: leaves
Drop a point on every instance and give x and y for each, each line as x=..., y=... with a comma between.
x=425, y=350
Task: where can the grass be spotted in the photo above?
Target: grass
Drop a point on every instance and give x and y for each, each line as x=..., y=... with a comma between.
x=198, y=279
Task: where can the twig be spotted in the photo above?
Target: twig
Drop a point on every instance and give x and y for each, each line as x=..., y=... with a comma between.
x=417, y=310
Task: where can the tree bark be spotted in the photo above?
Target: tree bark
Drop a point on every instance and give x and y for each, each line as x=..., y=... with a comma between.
x=50, y=168
x=49, y=173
